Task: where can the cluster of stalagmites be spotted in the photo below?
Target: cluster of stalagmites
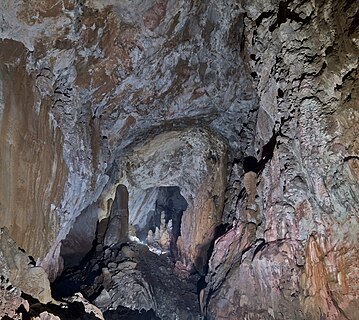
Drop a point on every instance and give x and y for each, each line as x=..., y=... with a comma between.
x=160, y=239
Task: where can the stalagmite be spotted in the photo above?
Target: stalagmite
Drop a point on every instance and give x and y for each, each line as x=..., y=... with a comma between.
x=117, y=226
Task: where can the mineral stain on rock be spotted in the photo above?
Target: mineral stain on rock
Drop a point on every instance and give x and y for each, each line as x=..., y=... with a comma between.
x=179, y=159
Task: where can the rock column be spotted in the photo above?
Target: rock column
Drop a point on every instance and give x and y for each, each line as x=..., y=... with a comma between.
x=117, y=228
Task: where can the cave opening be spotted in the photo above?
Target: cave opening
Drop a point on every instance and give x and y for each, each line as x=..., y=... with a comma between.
x=158, y=222
x=155, y=216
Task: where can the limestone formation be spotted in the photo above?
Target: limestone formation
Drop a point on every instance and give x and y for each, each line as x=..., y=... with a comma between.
x=118, y=221
x=302, y=259
x=134, y=279
x=195, y=161
x=238, y=119
x=20, y=271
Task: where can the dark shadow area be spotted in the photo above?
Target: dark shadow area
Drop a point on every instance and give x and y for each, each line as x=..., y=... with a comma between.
x=127, y=314
x=202, y=260
x=72, y=279
x=72, y=311
x=170, y=204
x=173, y=204
x=79, y=239
x=250, y=164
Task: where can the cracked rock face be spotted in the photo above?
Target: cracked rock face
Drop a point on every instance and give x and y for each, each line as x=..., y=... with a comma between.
x=91, y=90
x=299, y=261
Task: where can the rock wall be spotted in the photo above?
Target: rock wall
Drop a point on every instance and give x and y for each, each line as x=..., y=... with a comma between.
x=113, y=74
x=32, y=169
x=84, y=82
x=300, y=259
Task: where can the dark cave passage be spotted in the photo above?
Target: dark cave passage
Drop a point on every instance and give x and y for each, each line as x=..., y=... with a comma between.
x=166, y=216
x=173, y=204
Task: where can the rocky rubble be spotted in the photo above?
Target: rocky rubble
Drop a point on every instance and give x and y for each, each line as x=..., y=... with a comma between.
x=21, y=270
x=25, y=289
x=11, y=300
x=128, y=276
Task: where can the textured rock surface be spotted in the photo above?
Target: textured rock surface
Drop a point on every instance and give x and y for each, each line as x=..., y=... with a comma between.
x=118, y=220
x=85, y=84
x=32, y=170
x=10, y=300
x=21, y=271
x=130, y=277
x=194, y=160
x=300, y=260
x=106, y=76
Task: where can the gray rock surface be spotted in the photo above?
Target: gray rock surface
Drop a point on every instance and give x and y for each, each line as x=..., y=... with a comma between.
x=21, y=271
x=88, y=88
x=133, y=278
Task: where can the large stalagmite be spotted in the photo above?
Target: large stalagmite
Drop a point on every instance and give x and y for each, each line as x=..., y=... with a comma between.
x=118, y=221
x=146, y=95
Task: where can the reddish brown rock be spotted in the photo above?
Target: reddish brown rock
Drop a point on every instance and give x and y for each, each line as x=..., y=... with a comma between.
x=83, y=84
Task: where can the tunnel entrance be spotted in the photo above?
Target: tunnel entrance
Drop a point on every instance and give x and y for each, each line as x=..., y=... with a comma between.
x=157, y=222
x=155, y=216
x=121, y=267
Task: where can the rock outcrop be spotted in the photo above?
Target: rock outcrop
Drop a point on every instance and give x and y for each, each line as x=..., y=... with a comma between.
x=131, y=277
x=10, y=300
x=233, y=125
x=21, y=271
x=118, y=220
x=299, y=258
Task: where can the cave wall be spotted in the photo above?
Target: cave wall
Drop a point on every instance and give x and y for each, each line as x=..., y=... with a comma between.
x=300, y=259
x=117, y=73
x=82, y=83
x=32, y=170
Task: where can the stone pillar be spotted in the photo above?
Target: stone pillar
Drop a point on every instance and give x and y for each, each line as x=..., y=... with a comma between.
x=117, y=228
x=250, y=166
